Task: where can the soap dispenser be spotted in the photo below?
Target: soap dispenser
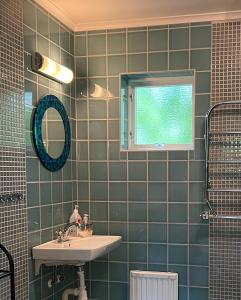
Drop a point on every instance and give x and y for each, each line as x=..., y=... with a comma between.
x=75, y=218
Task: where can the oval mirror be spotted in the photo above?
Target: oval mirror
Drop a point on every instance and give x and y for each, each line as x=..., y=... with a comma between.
x=51, y=133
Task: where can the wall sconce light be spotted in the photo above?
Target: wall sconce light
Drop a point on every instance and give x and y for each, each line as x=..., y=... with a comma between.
x=49, y=68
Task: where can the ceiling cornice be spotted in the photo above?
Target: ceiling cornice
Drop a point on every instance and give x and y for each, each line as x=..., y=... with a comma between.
x=115, y=24
x=56, y=12
x=208, y=17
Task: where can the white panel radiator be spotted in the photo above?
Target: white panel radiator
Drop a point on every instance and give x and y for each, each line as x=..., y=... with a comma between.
x=147, y=285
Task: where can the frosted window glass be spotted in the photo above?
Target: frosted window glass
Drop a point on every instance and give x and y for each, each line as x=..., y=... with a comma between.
x=163, y=114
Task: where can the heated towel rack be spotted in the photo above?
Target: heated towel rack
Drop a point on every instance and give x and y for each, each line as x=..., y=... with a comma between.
x=223, y=158
x=10, y=272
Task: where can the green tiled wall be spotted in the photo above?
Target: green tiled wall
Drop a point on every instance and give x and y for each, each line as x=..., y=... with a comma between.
x=152, y=199
x=50, y=196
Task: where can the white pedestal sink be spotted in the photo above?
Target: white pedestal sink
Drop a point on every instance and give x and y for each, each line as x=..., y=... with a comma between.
x=76, y=251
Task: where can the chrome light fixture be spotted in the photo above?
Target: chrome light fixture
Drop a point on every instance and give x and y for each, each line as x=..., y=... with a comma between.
x=49, y=68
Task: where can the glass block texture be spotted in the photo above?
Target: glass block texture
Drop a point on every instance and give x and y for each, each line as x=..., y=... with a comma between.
x=13, y=219
x=163, y=115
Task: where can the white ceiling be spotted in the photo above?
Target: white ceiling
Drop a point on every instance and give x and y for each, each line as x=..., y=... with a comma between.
x=100, y=14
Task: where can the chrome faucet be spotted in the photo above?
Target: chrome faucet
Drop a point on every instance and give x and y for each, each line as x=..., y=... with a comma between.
x=62, y=235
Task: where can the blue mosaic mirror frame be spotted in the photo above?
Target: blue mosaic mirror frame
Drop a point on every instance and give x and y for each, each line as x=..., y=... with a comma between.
x=50, y=163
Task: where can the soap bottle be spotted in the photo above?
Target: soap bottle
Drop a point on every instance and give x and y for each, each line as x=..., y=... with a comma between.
x=75, y=218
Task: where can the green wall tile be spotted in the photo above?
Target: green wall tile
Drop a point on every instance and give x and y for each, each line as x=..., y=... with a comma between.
x=117, y=191
x=177, y=171
x=81, y=66
x=157, y=171
x=137, y=212
x=54, y=31
x=42, y=23
x=203, y=82
x=96, y=44
x=201, y=59
x=198, y=255
x=157, y=192
x=97, y=130
x=201, y=37
x=177, y=192
x=157, y=253
x=137, y=232
x=118, y=211
x=137, y=191
x=177, y=254
x=29, y=40
x=116, y=64
x=137, y=41
x=29, y=14
x=157, y=212
x=33, y=219
x=157, y=40
x=179, y=38
x=158, y=61
x=137, y=252
x=98, y=150
x=137, y=63
x=98, y=191
x=198, y=234
x=118, y=291
x=46, y=216
x=177, y=234
x=116, y=43
x=157, y=233
x=98, y=211
x=117, y=171
x=198, y=293
x=98, y=171
x=64, y=39
x=80, y=45
x=118, y=271
x=177, y=213
x=199, y=276
x=179, y=60
x=33, y=194
x=137, y=171
x=96, y=66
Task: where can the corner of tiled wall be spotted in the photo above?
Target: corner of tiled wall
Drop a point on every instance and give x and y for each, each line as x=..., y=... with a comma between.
x=50, y=195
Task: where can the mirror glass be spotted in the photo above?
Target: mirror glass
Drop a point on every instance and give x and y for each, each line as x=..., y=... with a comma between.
x=53, y=132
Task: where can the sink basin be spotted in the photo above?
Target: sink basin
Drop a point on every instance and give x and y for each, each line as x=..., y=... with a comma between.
x=75, y=251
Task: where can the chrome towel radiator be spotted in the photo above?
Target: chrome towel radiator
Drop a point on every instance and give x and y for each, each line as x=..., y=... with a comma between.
x=223, y=156
x=10, y=272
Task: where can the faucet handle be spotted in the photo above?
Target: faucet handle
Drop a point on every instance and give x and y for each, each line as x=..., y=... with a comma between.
x=60, y=235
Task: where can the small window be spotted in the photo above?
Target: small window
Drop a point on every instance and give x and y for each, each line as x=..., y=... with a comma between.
x=157, y=111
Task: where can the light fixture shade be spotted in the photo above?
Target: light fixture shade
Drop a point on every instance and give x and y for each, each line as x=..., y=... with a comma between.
x=49, y=68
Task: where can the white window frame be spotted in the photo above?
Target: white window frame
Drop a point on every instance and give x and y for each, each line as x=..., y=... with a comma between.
x=157, y=81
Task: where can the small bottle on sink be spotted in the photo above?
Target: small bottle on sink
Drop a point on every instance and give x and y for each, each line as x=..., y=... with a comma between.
x=75, y=218
x=86, y=226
